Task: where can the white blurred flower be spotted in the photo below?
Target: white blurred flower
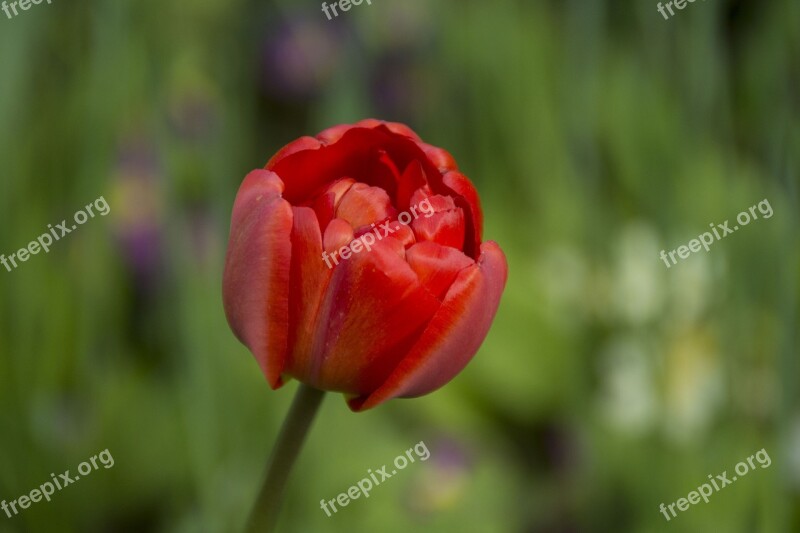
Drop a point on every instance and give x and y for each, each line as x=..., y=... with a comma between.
x=628, y=399
x=638, y=294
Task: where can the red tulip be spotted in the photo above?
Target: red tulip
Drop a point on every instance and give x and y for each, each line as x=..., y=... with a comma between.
x=399, y=319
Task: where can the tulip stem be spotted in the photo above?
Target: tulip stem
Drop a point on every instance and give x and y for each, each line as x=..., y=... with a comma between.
x=295, y=427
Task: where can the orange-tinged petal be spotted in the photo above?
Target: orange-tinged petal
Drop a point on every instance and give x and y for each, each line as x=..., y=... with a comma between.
x=337, y=234
x=362, y=205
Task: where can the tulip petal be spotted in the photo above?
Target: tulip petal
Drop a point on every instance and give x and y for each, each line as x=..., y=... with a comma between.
x=256, y=278
x=383, y=172
x=444, y=225
x=394, y=127
x=338, y=233
x=362, y=205
x=466, y=197
x=453, y=335
x=412, y=180
x=439, y=157
x=437, y=266
x=374, y=311
x=325, y=205
x=403, y=235
x=445, y=228
x=309, y=280
x=357, y=154
x=303, y=143
x=334, y=133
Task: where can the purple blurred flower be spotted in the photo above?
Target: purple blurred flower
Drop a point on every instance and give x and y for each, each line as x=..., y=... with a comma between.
x=300, y=56
x=445, y=478
x=138, y=208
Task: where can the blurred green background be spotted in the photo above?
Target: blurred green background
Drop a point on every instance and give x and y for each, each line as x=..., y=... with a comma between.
x=597, y=133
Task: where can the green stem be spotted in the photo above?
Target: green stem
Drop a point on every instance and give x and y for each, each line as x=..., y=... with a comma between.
x=264, y=515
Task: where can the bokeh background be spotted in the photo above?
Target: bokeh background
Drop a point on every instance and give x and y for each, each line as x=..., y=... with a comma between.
x=597, y=133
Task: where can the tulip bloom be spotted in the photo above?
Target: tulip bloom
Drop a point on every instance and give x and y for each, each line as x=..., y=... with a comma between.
x=398, y=320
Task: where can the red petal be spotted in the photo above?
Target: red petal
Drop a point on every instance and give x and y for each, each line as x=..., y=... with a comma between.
x=362, y=205
x=436, y=203
x=256, y=279
x=439, y=157
x=412, y=180
x=437, y=266
x=357, y=154
x=325, y=204
x=404, y=235
x=452, y=337
x=334, y=133
x=445, y=228
x=309, y=281
x=439, y=220
x=394, y=127
x=384, y=173
x=373, y=313
x=466, y=197
x=303, y=143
